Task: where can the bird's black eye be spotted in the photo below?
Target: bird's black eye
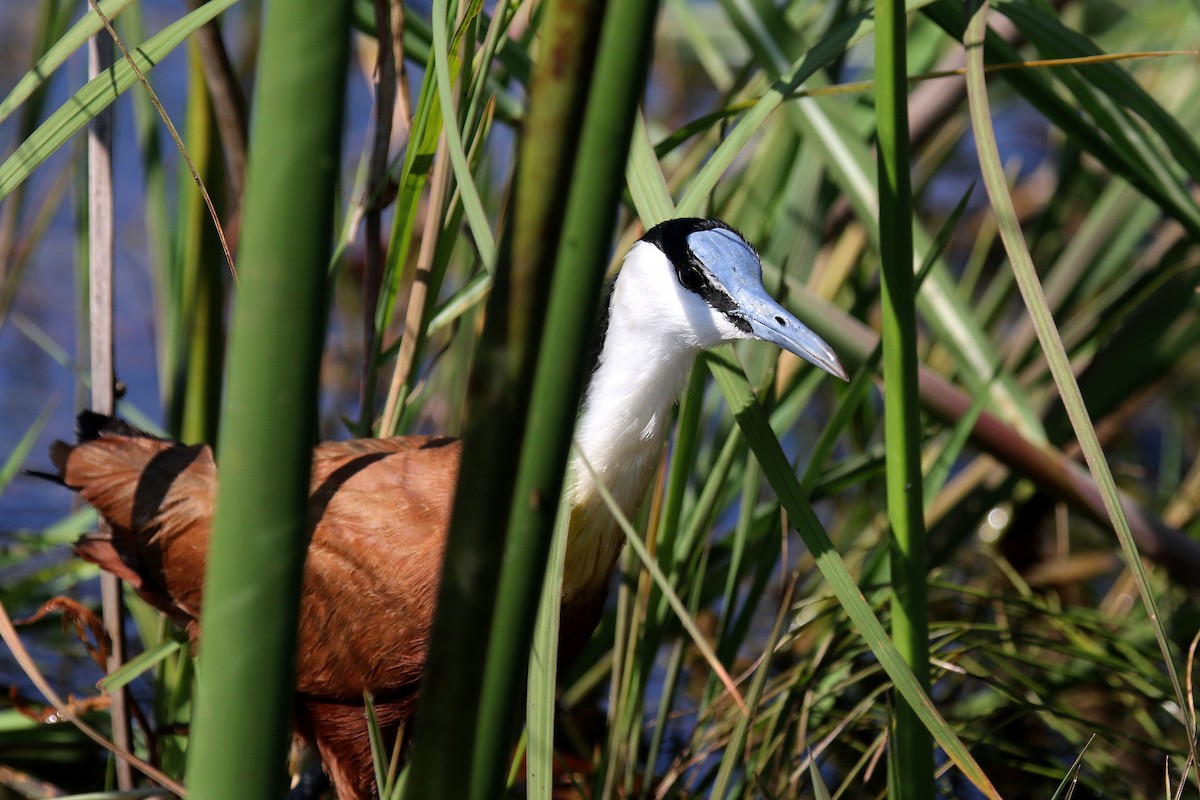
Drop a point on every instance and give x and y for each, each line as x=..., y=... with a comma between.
x=689, y=276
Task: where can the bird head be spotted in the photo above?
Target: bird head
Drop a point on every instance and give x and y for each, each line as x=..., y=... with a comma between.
x=700, y=281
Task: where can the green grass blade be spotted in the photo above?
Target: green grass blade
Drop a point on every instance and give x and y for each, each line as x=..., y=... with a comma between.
x=1084, y=132
x=1067, y=787
x=16, y=458
x=939, y=472
x=442, y=48
x=663, y=584
x=414, y=173
x=160, y=232
x=1055, y=40
x=379, y=756
x=142, y=662
x=543, y=671
x=73, y=115
x=470, y=295
x=647, y=185
x=734, y=759
x=790, y=78
x=70, y=42
x=1120, y=219
x=198, y=307
x=820, y=790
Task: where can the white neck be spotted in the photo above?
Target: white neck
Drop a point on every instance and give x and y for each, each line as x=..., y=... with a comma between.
x=627, y=408
x=640, y=372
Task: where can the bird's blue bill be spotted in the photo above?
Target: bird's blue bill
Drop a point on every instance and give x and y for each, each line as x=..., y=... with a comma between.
x=735, y=267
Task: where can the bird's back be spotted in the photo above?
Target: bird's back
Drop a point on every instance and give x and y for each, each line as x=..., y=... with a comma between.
x=380, y=513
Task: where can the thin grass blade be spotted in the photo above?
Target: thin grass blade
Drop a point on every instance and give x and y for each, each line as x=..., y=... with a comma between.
x=97, y=94
x=1060, y=365
x=142, y=662
x=543, y=670
x=647, y=184
x=16, y=458
x=70, y=42
x=442, y=48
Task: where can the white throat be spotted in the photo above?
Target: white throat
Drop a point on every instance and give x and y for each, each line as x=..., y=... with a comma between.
x=688, y=285
x=627, y=407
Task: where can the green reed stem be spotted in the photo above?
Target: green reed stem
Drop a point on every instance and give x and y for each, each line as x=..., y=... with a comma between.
x=913, y=747
x=260, y=530
x=450, y=764
x=198, y=339
x=571, y=247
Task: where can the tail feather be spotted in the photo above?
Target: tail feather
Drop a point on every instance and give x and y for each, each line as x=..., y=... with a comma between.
x=120, y=476
x=99, y=549
x=59, y=451
x=53, y=477
x=89, y=426
x=157, y=497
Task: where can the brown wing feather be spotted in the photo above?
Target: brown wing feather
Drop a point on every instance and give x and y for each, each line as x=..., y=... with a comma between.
x=379, y=508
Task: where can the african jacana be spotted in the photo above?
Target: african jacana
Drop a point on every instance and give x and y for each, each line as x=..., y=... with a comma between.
x=381, y=507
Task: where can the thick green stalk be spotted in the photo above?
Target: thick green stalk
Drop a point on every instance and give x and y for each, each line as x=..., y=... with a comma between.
x=501, y=382
x=572, y=246
x=259, y=534
x=582, y=256
x=912, y=744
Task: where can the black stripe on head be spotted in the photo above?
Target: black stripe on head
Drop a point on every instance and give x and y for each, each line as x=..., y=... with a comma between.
x=671, y=238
